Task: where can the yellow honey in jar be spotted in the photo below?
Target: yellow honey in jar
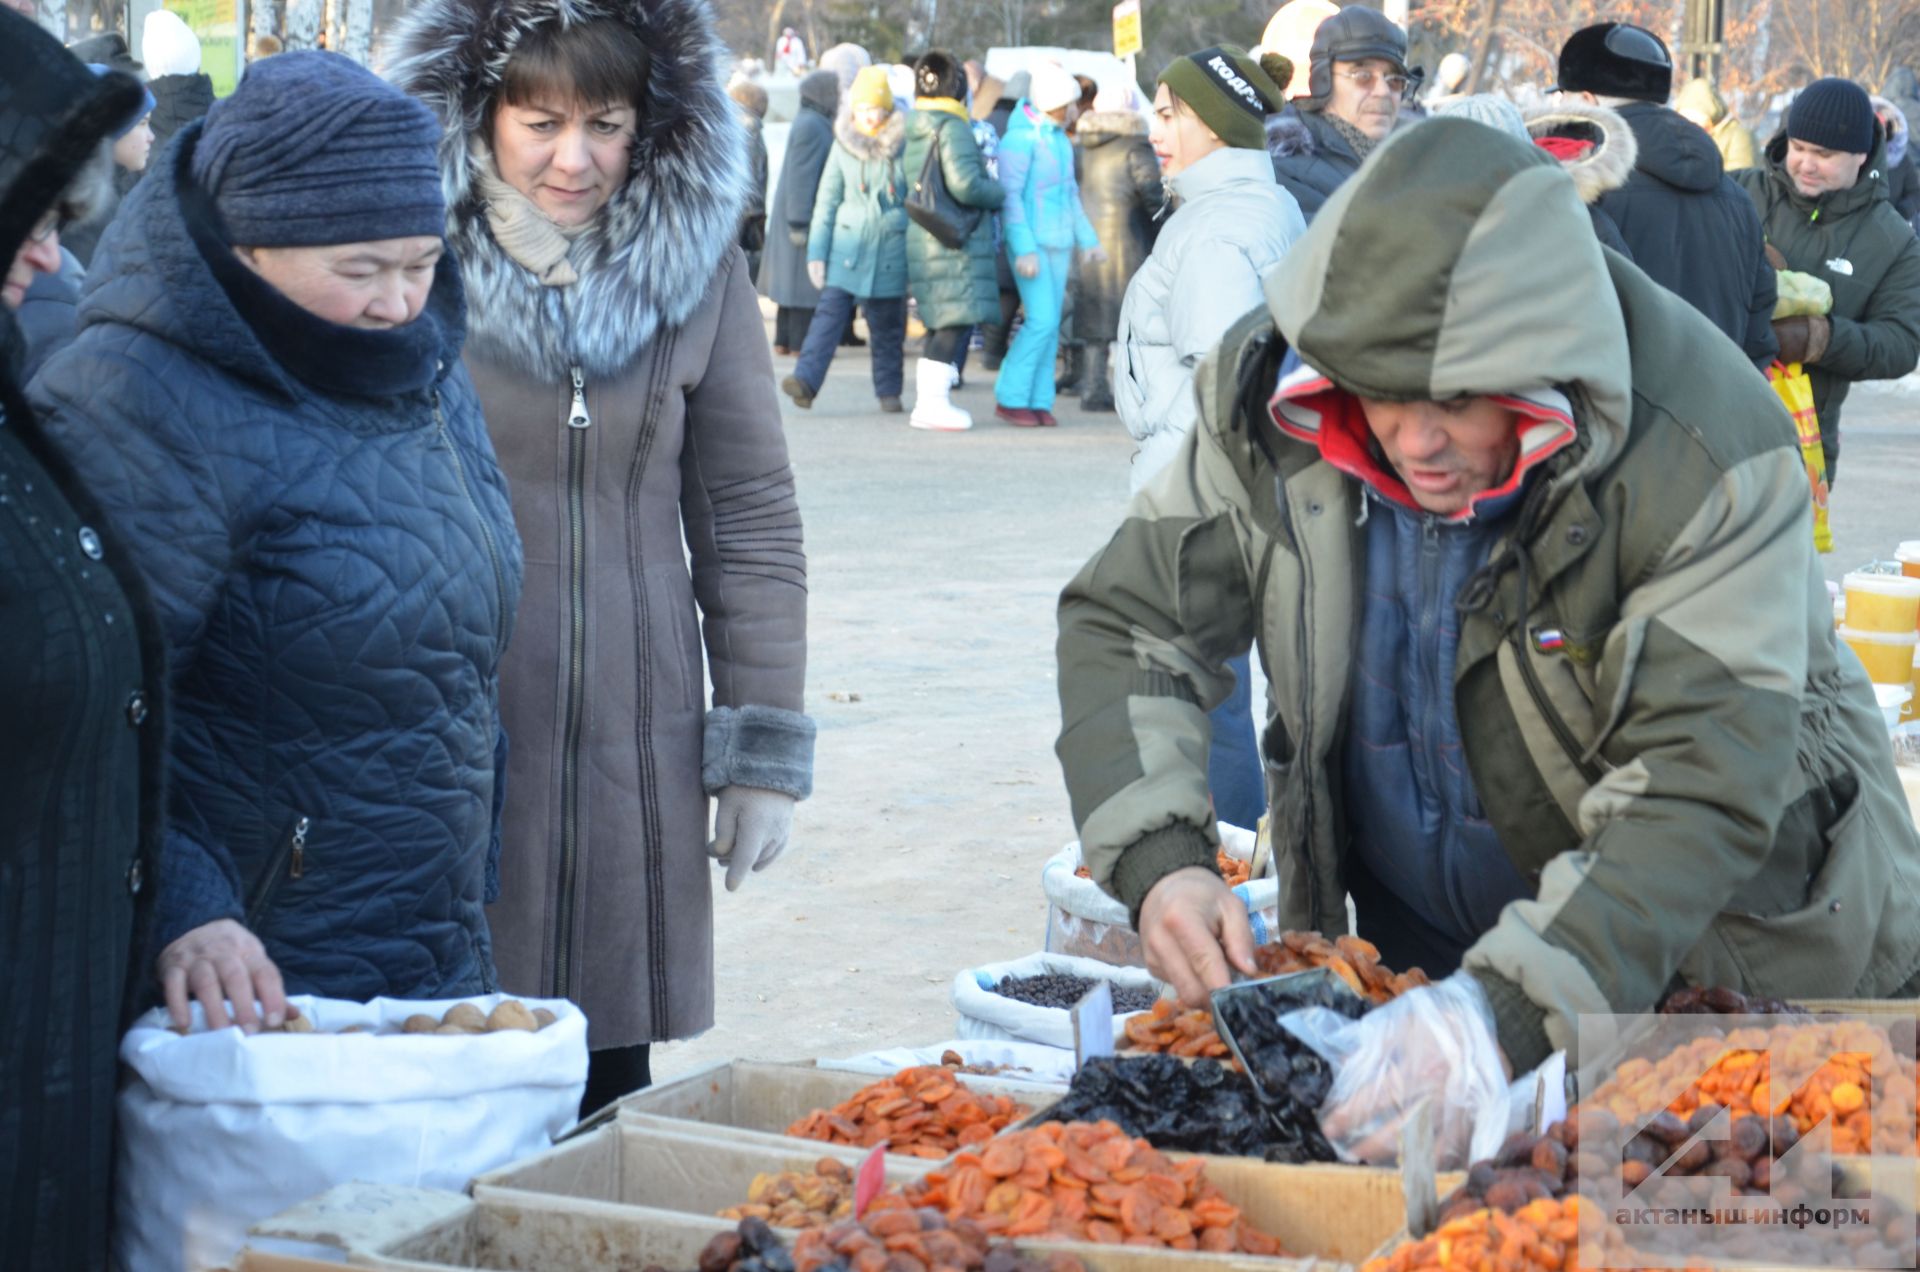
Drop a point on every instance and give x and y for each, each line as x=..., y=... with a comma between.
x=1882, y=602
x=1888, y=656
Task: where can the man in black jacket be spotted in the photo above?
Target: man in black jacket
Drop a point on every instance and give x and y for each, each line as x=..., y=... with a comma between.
x=1686, y=221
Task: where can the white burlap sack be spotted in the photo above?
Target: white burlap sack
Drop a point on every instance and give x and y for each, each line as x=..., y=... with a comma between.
x=1087, y=923
x=221, y=1130
x=987, y=1015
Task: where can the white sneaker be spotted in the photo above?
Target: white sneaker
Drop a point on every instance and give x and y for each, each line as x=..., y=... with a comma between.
x=933, y=409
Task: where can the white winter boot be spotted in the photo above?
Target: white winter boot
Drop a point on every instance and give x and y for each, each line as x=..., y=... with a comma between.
x=933, y=407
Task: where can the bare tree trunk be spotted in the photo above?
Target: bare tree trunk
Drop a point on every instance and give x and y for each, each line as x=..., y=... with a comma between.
x=303, y=24
x=265, y=17
x=773, y=31
x=1484, y=42
x=53, y=16
x=356, y=31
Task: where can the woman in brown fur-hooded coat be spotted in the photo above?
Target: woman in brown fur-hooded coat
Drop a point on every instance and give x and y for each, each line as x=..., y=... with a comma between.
x=624, y=372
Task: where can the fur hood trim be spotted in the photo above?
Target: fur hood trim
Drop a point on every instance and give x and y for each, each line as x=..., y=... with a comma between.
x=1607, y=166
x=650, y=258
x=1288, y=135
x=1112, y=123
x=1896, y=144
x=888, y=143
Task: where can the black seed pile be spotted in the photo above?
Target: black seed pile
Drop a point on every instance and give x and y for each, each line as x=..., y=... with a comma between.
x=1058, y=989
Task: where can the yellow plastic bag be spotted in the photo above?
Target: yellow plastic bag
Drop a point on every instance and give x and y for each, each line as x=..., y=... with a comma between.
x=1796, y=392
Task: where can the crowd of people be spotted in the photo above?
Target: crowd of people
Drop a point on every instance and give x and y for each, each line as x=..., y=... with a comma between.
x=404, y=583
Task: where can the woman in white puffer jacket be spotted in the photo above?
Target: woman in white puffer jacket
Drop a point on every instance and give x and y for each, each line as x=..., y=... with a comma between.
x=1232, y=225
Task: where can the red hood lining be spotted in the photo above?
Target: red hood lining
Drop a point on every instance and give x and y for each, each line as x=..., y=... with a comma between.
x=1309, y=408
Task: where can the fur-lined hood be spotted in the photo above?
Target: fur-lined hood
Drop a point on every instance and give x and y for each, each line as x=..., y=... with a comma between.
x=650, y=258
x=1897, y=143
x=1288, y=135
x=1608, y=164
x=1100, y=126
x=885, y=144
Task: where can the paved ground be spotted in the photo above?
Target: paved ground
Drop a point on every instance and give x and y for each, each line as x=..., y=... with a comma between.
x=935, y=562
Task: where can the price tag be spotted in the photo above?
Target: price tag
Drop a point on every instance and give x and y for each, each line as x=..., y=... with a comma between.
x=1093, y=1024
x=869, y=1179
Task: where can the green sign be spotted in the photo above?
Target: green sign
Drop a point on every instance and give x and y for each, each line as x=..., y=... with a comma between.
x=217, y=23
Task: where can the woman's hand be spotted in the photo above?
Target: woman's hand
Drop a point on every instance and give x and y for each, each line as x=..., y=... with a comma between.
x=221, y=963
x=817, y=274
x=1027, y=266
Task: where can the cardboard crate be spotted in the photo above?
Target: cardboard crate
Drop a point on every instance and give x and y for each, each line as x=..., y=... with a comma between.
x=753, y=1102
x=1870, y=1008
x=413, y=1230
x=641, y=1165
x=1336, y=1214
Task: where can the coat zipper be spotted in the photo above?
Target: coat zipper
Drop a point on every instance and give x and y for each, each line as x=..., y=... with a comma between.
x=579, y=420
x=290, y=856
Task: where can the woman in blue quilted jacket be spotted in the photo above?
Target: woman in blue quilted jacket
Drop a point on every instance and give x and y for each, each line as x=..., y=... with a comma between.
x=267, y=396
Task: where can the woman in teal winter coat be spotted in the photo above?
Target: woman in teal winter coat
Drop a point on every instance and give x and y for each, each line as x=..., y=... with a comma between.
x=1043, y=223
x=857, y=245
x=954, y=287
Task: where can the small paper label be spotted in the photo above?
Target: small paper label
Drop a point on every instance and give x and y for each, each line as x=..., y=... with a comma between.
x=869, y=1179
x=1093, y=1024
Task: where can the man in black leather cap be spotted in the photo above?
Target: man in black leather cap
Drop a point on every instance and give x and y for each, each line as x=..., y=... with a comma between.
x=1679, y=212
x=1357, y=82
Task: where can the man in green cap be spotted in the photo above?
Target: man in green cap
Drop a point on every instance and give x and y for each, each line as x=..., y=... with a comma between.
x=1554, y=692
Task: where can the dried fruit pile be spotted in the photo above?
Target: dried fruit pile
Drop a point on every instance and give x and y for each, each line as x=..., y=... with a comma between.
x=1721, y=1001
x=954, y=1062
x=1089, y=1182
x=799, y=1199
x=1543, y=1235
x=1232, y=869
x=919, y=1112
x=893, y=1237
x=1191, y=1033
x=1530, y=1168
x=1856, y=1081
x=1200, y=1108
x=1059, y=989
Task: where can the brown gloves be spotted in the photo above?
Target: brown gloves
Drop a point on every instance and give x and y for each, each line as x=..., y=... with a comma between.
x=1803, y=340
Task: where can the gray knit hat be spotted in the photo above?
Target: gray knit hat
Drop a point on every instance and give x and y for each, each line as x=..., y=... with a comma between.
x=1492, y=110
x=314, y=150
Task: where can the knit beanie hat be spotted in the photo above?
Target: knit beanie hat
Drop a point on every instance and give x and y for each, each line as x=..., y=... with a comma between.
x=1834, y=114
x=314, y=150
x=1230, y=92
x=132, y=121
x=1051, y=87
x=871, y=87
x=169, y=45
x=1492, y=110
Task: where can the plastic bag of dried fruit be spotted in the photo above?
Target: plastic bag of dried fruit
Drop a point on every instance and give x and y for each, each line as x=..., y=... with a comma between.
x=220, y=1129
x=1087, y=923
x=983, y=1013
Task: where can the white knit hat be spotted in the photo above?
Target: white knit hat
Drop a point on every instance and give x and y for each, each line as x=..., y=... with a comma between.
x=1117, y=96
x=1052, y=87
x=168, y=45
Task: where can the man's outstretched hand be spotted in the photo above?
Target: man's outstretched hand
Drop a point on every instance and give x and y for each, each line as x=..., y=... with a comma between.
x=1196, y=934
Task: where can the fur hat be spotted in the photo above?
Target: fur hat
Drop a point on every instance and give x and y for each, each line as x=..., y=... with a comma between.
x=749, y=94
x=109, y=49
x=1052, y=87
x=938, y=73
x=1616, y=59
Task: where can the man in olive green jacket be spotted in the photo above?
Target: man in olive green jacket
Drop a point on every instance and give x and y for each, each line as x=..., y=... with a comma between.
x=1685, y=777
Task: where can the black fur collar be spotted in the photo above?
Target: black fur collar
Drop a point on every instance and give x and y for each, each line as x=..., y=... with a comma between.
x=651, y=257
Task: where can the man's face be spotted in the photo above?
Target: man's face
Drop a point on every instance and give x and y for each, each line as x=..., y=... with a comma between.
x=1446, y=452
x=1816, y=170
x=1362, y=96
